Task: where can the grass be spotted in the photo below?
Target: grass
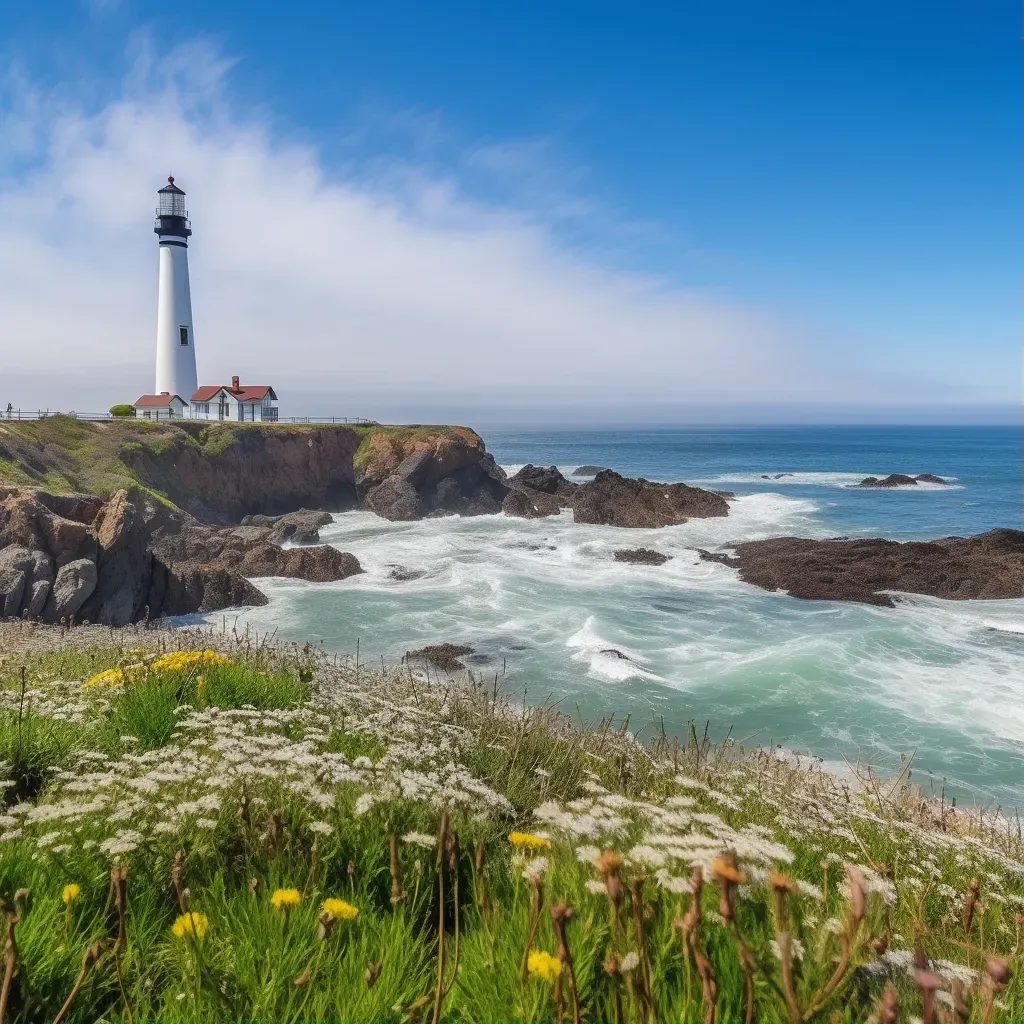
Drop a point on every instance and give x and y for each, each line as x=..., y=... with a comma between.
x=673, y=881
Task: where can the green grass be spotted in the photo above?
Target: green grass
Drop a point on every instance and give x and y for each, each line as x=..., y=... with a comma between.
x=288, y=769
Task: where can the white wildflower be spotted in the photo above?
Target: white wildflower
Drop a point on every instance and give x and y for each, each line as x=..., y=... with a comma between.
x=420, y=839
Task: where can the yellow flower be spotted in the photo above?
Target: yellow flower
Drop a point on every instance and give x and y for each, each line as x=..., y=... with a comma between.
x=286, y=898
x=526, y=841
x=339, y=910
x=111, y=677
x=200, y=682
x=178, y=660
x=541, y=964
x=193, y=923
x=71, y=893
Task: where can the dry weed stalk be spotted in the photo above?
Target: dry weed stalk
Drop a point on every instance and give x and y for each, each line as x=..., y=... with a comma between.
x=729, y=876
x=561, y=914
x=644, y=972
x=13, y=910
x=119, y=888
x=93, y=952
x=176, y=869
x=688, y=927
x=398, y=893
x=442, y=840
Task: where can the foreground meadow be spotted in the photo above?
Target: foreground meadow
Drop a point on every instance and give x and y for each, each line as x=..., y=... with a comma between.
x=202, y=827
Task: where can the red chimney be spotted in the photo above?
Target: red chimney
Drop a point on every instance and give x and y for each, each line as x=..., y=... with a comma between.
x=235, y=386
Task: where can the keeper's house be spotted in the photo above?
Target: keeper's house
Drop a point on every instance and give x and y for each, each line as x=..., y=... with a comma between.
x=254, y=403
x=161, y=407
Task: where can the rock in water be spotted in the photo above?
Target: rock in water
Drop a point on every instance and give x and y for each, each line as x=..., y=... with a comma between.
x=988, y=565
x=588, y=470
x=929, y=478
x=892, y=480
x=613, y=500
x=444, y=656
x=641, y=556
x=541, y=478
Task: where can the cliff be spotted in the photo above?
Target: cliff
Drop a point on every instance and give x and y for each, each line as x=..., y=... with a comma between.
x=221, y=472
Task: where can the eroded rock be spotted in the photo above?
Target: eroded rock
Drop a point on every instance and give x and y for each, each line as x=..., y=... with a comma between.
x=613, y=500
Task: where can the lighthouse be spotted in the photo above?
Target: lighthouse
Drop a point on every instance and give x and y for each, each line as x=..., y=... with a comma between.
x=175, y=344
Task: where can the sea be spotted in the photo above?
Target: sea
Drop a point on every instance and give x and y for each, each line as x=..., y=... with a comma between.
x=552, y=618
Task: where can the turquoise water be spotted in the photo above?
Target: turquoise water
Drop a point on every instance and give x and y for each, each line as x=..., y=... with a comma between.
x=542, y=602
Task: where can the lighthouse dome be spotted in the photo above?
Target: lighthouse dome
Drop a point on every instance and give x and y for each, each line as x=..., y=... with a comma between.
x=171, y=215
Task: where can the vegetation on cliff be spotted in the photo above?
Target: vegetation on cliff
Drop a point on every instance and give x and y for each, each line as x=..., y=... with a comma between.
x=217, y=471
x=205, y=827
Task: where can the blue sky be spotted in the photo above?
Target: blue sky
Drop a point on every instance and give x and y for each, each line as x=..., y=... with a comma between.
x=835, y=186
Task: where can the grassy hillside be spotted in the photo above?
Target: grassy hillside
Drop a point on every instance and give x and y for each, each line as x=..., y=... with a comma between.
x=62, y=454
x=267, y=833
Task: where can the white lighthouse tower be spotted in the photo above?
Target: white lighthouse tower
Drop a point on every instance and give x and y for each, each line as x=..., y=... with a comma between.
x=175, y=344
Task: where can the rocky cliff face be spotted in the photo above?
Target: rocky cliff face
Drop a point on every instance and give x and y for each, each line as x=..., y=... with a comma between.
x=221, y=473
x=129, y=558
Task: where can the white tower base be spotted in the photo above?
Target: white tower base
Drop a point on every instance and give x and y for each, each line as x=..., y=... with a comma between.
x=175, y=342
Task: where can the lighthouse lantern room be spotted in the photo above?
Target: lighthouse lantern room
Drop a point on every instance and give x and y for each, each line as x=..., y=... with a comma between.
x=175, y=343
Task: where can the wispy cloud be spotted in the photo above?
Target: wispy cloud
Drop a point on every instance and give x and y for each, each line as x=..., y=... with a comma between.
x=397, y=280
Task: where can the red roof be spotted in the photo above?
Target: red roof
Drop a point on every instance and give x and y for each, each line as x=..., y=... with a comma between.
x=249, y=393
x=157, y=401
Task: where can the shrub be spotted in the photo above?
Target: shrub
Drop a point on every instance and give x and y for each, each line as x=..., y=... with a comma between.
x=122, y=409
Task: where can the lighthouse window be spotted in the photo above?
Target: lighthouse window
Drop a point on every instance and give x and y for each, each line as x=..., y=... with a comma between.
x=183, y=335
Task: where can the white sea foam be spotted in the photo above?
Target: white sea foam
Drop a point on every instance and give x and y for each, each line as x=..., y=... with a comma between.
x=819, y=479
x=546, y=598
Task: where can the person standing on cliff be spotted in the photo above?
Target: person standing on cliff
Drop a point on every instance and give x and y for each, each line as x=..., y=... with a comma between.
x=10, y=409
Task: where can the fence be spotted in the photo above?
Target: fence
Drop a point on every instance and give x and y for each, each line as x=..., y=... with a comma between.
x=42, y=414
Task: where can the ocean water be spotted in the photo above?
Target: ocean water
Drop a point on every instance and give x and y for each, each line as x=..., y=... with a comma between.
x=546, y=608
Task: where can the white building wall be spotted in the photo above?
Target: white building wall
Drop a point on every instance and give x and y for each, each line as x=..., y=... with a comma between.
x=175, y=363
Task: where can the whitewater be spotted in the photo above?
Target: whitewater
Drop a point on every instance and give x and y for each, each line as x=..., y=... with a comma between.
x=548, y=611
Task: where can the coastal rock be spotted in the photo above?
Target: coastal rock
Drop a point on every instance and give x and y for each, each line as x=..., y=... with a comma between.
x=588, y=470
x=395, y=499
x=530, y=504
x=546, y=479
x=301, y=527
x=144, y=559
x=899, y=480
x=988, y=565
x=445, y=656
x=641, y=556
x=614, y=500
x=71, y=589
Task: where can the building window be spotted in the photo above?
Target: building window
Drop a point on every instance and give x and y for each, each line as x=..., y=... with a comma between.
x=183, y=335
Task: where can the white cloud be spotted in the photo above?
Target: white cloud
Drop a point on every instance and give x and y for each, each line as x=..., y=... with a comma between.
x=384, y=279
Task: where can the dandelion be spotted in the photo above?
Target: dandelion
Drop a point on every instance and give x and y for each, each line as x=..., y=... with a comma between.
x=70, y=893
x=192, y=924
x=282, y=898
x=528, y=841
x=338, y=910
x=541, y=964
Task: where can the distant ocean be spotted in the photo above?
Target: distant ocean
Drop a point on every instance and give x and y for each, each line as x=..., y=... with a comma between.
x=542, y=601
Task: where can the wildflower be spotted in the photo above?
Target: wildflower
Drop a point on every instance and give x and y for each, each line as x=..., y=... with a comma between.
x=71, y=893
x=338, y=910
x=281, y=898
x=596, y=887
x=111, y=677
x=723, y=869
x=321, y=828
x=535, y=868
x=419, y=839
x=541, y=964
x=630, y=962
x=796, y=949
x=527, y=841
x=178, y=660
x=193, y=924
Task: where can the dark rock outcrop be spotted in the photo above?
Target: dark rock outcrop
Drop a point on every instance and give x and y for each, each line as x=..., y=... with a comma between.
x=613, y=500
x=301, y=527
x=537, y=491
x=588, y=470
x=988, y=565
x=546, y=479
x=444, y=656
x=135, y=557
x=899, y=480
x=444, y=474
x=641, y=556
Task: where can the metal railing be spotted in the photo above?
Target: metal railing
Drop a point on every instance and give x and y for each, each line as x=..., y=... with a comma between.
x=42, y=414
